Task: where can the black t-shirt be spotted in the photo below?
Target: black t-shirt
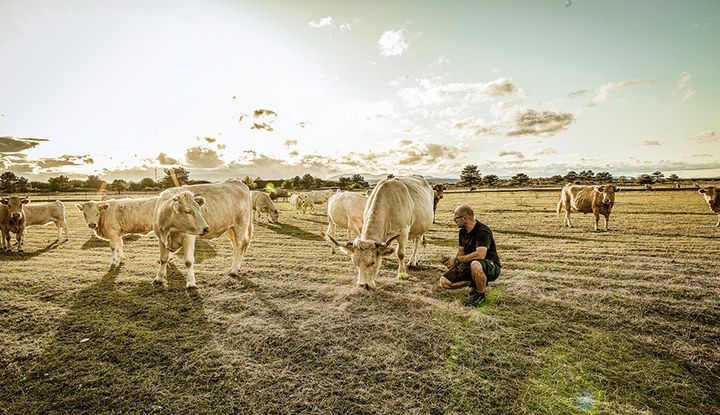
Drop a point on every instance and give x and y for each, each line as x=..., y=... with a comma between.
x=480, y=235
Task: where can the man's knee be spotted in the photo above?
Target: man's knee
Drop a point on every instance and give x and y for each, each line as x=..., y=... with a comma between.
x=476, y=269
x=445, y=283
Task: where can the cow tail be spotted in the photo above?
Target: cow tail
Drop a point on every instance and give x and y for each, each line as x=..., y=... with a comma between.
x=557, y=211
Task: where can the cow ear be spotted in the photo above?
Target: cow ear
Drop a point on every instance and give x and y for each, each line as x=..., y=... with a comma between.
x=384, y=250
x=200, y=200
x=78, y=206
x=617, y=189
x=25, y=201
x=701, y=191
x=103, y=206
x=600, y=188
x=4, y=201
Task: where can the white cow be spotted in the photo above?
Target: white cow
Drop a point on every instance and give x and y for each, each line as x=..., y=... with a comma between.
x=207, y=211
x=317, y=197
x=114, y=218
x=345, y=210
x=297, y=203
x=44, y=213
x=399, y=208
x=261, y=203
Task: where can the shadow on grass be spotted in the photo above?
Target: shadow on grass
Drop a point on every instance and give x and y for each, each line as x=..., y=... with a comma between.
x=95, y=242
x=322, y=222
x=27, y=255
x=120, y=351
x=544, y=235
x=292, y=231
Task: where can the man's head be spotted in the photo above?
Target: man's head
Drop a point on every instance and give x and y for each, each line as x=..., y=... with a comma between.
x=463, y=215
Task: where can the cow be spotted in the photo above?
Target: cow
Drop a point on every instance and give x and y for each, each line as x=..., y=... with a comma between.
x=678, y=186
x=647, y=187
x=712, y=197
x=44, y=213
x=438, y=190
x=586, y=199
x=317, y=197
x=279, y=193
x=12, y=220
x=345, y=210
x=297, y=203
x=399, y=209
x=207, y=211
x=111, y=219
x=261, y=203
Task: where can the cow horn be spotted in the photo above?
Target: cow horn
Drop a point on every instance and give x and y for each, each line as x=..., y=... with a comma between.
x=388, y=242
x=348, y=243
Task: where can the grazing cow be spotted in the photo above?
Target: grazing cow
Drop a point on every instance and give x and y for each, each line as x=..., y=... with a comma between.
x=207, y=211
x=297, y=203
x=317, y=197
x=261, y=203
x=345, y=210
x=648, y=187
x=111, y=219
x=586, y=199
x=279, y=193
x=12, y=219
x=438, y=190
x=712, y=196
x=42, y=214
x=677, y=186
x=399, y=209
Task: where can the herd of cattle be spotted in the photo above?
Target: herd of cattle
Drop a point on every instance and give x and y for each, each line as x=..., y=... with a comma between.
x=399, y=209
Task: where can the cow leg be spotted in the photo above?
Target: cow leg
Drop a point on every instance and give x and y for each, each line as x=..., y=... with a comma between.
x=240, y=246
x=65, y=229
x=6, y=240
x=597, y=219
x=567, y=218
x=607, y=218
x=121, y=249
x=58, y=227
x=189, y=249
x=717, y=225
x=162, y=271
x=20, y=238
x=415, y=257
x=402, y=272
x=113, y=239
x=331, y=231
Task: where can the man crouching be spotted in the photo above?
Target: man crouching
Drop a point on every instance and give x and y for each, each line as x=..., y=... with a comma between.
x=476, y=262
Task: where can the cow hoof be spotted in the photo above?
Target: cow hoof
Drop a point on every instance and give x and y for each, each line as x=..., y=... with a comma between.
x=402, y=276
x=190, y=287
x=233, y=274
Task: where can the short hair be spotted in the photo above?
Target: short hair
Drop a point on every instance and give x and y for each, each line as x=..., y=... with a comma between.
x=465, y=210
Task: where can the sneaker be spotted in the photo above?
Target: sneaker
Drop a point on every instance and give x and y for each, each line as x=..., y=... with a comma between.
x=476, y=299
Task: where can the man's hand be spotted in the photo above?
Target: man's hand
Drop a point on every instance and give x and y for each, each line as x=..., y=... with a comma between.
x=450, y=263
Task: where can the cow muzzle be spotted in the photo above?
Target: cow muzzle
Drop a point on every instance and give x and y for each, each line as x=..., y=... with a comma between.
x=92, y=225
x=17, y=216
x=205, y=231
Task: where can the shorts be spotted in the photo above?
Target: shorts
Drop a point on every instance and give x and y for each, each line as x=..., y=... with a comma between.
x=462, y=272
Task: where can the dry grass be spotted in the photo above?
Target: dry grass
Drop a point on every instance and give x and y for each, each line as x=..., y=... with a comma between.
x=619, y=322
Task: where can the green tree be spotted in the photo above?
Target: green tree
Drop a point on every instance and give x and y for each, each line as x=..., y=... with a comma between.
x=658, y=176
x=147, y=183
x=645, y=179
x=571, y=176
x=8, y=182
x=359, y=180
x=59, y=184
x=604, y=177
x=175, y=176
x=490, y=180
x=94, y=182
x=673, y=177
x=470, y=176
x=586, y=176
x=249, y=182
x=119, y=185
x=520, y=179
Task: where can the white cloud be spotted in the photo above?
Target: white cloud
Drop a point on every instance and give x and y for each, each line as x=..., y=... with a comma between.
x=651, y=143
x=683, y=91
x=531, y=122
x=547, y=151
x=392, y=43
x=442, y=60
x=516, y=154
x=430, y=91
x=602, y=92
x=320, y=23
x=709, y=135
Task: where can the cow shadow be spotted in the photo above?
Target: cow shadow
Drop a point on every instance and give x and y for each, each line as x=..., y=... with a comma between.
x=28, y=255
x=138, y=338
x=322, y=222
x=292, y=231
x=203, y=251
x=95, y=242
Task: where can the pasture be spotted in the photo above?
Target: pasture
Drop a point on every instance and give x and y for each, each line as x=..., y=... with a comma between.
x=617, y=322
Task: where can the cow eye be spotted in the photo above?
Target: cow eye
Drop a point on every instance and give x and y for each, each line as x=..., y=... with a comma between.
x=188, y=211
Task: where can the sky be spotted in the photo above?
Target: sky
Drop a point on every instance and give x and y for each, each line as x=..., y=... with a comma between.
x=123, y=89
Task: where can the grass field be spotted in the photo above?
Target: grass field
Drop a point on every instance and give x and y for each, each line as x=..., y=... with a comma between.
x=617, y=322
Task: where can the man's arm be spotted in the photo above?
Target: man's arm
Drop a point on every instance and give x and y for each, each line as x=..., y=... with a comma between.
x=450, y=263
x=479, y=253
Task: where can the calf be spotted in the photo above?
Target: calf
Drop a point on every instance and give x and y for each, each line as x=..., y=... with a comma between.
x=112, y=219
x=438, y=190
x=261, y=203
x=297, y=203
x=712, y=196
x=42, y=214
x=586, y=199
x=12, y=219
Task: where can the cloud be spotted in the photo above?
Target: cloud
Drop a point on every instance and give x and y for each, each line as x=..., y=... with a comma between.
x=290, y=143
x=320, y=23
x=262, y=126
x=603, y=91
x=392, y=43
x=477, y=128
x=546, y=123
x=166, y=160
x=429, y=92
x=405, y=142
x=303, y=124
x=259, y=113
x=294, y=153
x=221, y=146
x=64, y=160
x=16, y=144
x=579, y=93
x=651, y=143
x=545, y=151
x=210, y=139
x=203, y=158
x=442, y=60
x=683, y=91
x=515, y=154
x=708, y=135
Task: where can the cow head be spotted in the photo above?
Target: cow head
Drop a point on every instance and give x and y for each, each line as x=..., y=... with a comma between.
x=275, y=216
x=710, y=194
x=15, y=207
x=608, y=193
x=439, y=189
x=187, y=217
x=92, y=212
x=367, y=257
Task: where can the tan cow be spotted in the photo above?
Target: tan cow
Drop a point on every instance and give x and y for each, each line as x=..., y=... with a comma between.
x=598, y=200
x=438, y=190
x=399, y=208
x=297, y=203
x=207, y=211
x=712, y=196
x=345, y=210
x=261, y=203
x=12, y=220
x=317, y=197
x=111, y=219
x=44, y=213
x=279, y=193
